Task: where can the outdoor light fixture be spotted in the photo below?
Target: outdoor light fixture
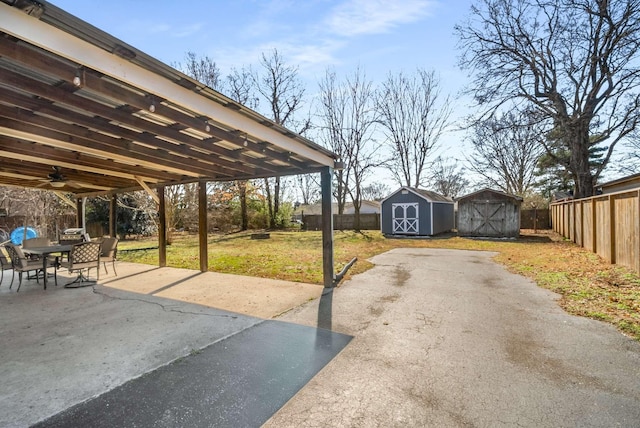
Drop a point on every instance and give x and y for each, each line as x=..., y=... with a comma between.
x=206, y=126
x=245, y=141
x=57, y=184
x=77, y=81
x=152, y=107
x=30, y=7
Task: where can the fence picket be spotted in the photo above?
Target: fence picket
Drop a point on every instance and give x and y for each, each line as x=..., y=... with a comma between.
x=608, y=225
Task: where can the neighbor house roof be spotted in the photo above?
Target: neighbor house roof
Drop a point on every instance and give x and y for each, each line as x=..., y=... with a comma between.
x=621, y=184
x=111, y=118
x=316, y=209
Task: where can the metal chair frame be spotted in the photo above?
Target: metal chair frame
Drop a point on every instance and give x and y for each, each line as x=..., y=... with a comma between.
x=5, y=264
x=108, y=253
x=22, y=263
x=84, y=256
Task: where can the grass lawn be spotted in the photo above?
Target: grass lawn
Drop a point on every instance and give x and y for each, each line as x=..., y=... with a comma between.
x=588, y=285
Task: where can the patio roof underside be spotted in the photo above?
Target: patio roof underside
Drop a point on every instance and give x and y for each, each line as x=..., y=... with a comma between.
x=127, y=122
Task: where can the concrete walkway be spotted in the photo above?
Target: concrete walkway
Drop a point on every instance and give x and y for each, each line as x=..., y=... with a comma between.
x=446, y=338
x=60, y=347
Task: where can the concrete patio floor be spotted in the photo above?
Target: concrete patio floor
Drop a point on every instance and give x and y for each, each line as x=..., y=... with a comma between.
x=443, y=338
x=63, y=346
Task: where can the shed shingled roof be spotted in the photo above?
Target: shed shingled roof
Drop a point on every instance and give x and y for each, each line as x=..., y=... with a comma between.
x=425, y=194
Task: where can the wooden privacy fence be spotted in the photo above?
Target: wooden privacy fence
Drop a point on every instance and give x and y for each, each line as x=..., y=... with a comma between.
x=535, y=219
x=342, y=222
x=608, y=225
x=372, y=221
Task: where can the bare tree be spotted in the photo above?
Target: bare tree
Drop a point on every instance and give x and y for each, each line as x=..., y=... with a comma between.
x=333, y=132
x=203, y=69
x=448, y=178
x=629, y=160
x=348, y=119
x=240, y=87
x=506, y=152
x=414, y=117
x=574, y=62
x=184, y=214
x=308, y=188
x=375, y=191
x=283, y=91
x=39, y=209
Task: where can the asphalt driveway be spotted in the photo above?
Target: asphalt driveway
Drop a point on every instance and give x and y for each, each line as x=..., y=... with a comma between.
x=448, y=338
x=441, y=338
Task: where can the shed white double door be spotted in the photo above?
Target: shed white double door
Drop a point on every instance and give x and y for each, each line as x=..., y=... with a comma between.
x=405, y=218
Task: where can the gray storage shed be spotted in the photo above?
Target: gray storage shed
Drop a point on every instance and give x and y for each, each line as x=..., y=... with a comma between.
x=417, y=212
x=489, y=213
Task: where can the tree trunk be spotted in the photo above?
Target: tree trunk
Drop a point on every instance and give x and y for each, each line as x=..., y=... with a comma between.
x=269, y=202
x=356, y=218
x=580, y=166
x=276, y=202
x=242, y=187
x=340, y=192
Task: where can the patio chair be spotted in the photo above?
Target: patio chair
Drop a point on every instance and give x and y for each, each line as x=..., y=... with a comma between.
x=33, y=243
x=83, y=257
x=108, y=252
x=5, y=264
x=21, y=264
x=36, y=242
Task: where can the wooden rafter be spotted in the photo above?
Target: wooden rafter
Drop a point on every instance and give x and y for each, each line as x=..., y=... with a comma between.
x=101, y=131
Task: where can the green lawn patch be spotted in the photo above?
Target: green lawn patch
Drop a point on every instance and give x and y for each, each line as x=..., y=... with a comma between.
x=588, y=285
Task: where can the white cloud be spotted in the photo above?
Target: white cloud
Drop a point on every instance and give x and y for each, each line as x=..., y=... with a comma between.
x=375, y=16
x=306, y=56
x=163, y=28
x=151, y=28
x=188, y=30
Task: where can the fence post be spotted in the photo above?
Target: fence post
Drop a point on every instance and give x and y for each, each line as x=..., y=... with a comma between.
x=594, y=231
x=612, y=228
x=582, y=223
x=573, y=216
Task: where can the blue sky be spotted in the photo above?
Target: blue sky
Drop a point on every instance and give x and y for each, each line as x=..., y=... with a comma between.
x=380, y=36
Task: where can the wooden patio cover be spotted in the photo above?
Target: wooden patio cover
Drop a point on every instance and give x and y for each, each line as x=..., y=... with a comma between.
x=82, y=112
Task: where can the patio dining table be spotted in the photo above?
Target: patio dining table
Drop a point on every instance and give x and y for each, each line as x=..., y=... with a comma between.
x=45, y=252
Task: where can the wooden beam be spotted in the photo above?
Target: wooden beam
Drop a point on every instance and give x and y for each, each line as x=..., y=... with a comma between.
x=64, y=71
x=182, y=143
x=202, y=226
x=64, y=198
x=20, y=149
x=147, y=189
x=74, y=137
x=327, y=227
x=79, y=212
x=113, y=203
x=31, y=169
x=52, y=39
x=162, y=228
